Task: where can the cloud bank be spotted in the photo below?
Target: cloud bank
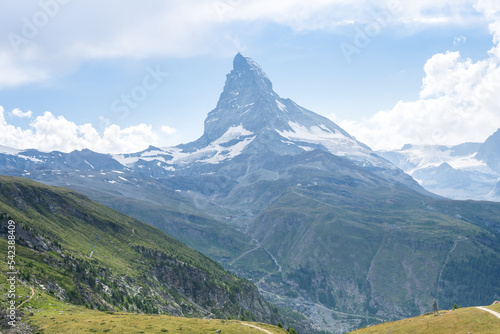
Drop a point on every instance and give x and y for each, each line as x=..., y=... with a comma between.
x=52, y=38
x=49, y=132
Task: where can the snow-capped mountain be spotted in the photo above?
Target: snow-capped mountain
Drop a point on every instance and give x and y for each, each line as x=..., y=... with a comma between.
x=250, y=118
x=14, y=159
x=466, y=171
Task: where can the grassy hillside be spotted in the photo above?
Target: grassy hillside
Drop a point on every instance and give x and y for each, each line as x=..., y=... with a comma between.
x=134, y=268
x=43, y=313
x=463, y=320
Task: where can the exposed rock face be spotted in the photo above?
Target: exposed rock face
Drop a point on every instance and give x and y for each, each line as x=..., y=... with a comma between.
x=27, y=238
x=250, y=113
x=201, y=289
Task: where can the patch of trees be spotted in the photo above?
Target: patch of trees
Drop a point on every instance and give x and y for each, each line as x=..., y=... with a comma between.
x=471, y=281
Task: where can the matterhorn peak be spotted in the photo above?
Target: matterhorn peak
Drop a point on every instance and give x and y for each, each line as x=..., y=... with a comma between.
x=250, y=114
x=243, y=63
x=247, y=98
x=247, y=73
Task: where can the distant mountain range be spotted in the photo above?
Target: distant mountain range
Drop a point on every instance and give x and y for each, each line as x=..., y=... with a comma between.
x=285, y=197
x=466, y=171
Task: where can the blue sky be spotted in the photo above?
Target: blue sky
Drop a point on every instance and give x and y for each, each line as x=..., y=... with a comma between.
x=389, y=72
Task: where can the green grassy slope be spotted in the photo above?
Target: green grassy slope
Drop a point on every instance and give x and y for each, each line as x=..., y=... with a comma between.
x=44, y=313
x=135, y=267
x=463, y=320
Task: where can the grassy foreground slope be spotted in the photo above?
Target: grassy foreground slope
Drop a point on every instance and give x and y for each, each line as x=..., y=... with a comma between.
x=463, y=320
x=135, y=267
x=43, y=313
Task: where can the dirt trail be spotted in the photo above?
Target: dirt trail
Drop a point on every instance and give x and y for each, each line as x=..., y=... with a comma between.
x=27, y=300
x=455, y=243
x=496, y=314
x=242, y=255
x=257, y=327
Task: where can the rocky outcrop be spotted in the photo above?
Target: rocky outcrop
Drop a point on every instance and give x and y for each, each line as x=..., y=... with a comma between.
x=213, y=295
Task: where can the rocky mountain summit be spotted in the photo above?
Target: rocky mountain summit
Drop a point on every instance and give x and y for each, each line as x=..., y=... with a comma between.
x=251, y=112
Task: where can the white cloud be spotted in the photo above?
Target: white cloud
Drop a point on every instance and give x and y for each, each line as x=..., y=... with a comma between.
x=331, y=14
x=19, y=113
x=458, y=102
x=49, y=133
x=76, y=32
x=491, y=11
x=168, y=130
x=19, y=70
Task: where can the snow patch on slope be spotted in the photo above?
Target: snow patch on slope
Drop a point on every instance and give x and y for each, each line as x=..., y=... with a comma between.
x=154, y=155
x=314, y=134
x=446, y=171
x=29, y=158
x=125, y=160
x=233, y=132
x=335, y=142
x=280, y=105
x=216, y=152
